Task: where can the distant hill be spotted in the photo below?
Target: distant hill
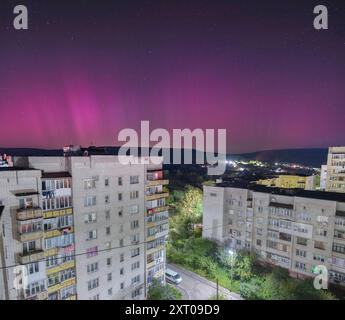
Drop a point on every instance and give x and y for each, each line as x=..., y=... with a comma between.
x=308, y=157
x=31, y=152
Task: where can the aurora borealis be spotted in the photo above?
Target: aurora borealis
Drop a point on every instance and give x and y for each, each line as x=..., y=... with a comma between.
x=87, y=69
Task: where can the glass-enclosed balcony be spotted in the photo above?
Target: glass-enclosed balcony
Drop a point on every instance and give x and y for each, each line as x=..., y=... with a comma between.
x=34, y=255
x=29, y=212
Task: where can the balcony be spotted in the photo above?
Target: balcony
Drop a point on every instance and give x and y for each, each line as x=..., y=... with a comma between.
x=156, y=222
x=157, y=209
x=43, y=295
x=29, y=236
x=29, y=257
x=59, y=232
x=64, y=284
x=132, y=287
x=150, y=264
x=158, y=182
x=162, y=233
x=61, y=267
x=339, y=238
x=156, y=196
x=156, y=248
x=51, y=252
x=320, y=245
x=57, y=213
x=159, y=273
x=29, y=213
x=157, y=234
x=302, y=241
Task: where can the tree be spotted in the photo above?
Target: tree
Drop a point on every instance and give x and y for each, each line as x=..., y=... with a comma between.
x=243, y=265
x=251, y=290
x=278, y=285
x=158, y=291
x=188, y=213
x=223, y=257
x=191, y=204
x=305, y=291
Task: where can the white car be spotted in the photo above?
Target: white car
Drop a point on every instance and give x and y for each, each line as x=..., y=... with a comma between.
x=173, y=276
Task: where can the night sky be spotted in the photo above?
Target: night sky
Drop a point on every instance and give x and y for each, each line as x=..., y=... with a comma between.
x=87, y=69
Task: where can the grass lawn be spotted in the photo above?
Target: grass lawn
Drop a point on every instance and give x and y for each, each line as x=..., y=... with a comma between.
x=252, y=282
x=197, y=255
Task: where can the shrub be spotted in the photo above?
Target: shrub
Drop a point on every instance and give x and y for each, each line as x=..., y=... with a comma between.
x=251, y=289
x=158, y=291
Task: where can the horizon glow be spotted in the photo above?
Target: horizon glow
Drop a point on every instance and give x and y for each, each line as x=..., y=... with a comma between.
x=79, y=77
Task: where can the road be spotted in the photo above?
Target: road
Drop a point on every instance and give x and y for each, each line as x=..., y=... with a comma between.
x=195, y=287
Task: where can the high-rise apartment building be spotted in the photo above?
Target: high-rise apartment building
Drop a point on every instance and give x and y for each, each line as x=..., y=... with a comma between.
x=336, y=169
x=93, y=228
x=59, y=239
x=295, y=229
x=23, y=272
x=323, y=177
x=156, y=220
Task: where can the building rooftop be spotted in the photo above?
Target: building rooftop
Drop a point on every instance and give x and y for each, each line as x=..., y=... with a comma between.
x=320, y=195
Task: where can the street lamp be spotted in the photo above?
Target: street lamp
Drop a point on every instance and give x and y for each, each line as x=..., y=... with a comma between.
x=232, y=260
x=232, y=255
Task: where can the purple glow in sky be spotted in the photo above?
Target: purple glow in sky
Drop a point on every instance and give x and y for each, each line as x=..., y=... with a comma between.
x=79, y=76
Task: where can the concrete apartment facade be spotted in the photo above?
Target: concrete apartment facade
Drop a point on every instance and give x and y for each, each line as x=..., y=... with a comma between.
x=21, y=240
x=290, y=182
x=103, y=226
x=285, y=181
x=295, y=229
x=335, y=180
x=323, y=177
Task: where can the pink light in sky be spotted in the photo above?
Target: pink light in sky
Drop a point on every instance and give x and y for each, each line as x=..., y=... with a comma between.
x=86, y=75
